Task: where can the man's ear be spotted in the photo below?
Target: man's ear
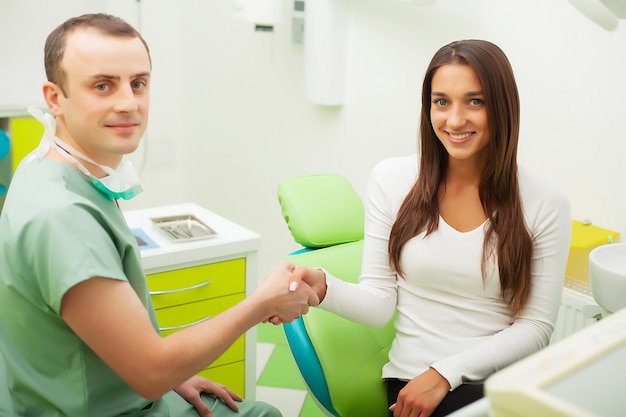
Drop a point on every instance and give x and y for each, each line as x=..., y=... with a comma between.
x=52, y=94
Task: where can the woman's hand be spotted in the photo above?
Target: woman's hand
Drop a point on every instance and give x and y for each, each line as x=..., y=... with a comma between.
x=421, y=396
x=316, y=278
x=285, y=299
x=191, y=389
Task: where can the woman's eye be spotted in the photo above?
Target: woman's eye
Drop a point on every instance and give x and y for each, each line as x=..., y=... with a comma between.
x=476, y=102
x=440, y=102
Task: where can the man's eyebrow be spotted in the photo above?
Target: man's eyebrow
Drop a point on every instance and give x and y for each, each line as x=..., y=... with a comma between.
x=117, y=77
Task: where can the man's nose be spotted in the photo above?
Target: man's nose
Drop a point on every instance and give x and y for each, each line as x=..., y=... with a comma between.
x=126, y=101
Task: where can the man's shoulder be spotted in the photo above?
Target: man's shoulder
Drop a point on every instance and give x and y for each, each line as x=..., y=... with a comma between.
x=47, y=191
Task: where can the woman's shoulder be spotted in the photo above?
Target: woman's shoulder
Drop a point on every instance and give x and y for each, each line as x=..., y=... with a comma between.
x=541, y=193
x=397, y=168
x=391, y=179
x=534, y=182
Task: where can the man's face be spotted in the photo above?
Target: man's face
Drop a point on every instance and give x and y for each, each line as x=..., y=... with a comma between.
x=107, y=83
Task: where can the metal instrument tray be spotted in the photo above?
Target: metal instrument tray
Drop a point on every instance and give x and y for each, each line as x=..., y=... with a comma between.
x=183, y=228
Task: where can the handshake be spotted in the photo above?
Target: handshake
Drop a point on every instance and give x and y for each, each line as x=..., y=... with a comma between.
x=288, y=291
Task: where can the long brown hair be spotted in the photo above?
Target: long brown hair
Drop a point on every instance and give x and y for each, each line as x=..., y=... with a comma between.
x=506, y=233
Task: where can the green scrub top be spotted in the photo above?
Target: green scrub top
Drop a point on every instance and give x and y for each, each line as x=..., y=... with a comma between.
x=57, y=230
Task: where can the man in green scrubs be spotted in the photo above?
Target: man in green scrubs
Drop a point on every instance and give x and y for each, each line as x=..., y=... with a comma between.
x=78, y=330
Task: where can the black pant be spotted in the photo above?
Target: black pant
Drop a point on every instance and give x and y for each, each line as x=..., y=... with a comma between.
x=459, y=398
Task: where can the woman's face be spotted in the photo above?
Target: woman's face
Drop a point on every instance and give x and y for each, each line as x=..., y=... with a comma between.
x=458, y=113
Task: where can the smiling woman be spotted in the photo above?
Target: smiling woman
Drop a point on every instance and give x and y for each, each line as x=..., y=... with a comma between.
x=455, y=238
x=458, y=113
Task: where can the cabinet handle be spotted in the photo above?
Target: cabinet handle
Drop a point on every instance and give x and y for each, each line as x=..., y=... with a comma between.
x=177, y=290
x=182, y=326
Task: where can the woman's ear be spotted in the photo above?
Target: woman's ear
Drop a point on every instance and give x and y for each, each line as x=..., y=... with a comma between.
x=52, y=94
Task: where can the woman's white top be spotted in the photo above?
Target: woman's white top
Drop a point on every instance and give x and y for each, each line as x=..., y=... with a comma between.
x=448, y=317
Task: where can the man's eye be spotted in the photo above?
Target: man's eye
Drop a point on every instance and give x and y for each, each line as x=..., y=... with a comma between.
x=102, y=87
x=138, y=85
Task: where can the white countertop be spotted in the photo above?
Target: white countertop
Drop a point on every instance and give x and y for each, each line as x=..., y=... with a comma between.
x=230, y=238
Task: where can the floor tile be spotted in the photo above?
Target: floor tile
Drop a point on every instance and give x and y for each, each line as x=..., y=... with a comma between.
x=263, y=354
x=288, y=401
x=278, y=378
x=281, y=370
x=269, y=333
x=310, y=408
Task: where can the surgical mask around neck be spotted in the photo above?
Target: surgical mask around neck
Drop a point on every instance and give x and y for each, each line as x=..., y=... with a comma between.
x=122, y=182
x=50, y=126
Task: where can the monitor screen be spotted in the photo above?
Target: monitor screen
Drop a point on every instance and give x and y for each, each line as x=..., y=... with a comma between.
x=581, y=375
x=597, y=386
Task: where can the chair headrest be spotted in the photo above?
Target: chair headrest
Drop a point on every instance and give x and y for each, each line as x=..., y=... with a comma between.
x=321, y=210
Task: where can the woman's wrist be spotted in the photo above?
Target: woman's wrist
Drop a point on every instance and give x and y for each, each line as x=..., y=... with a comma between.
x=322, y=287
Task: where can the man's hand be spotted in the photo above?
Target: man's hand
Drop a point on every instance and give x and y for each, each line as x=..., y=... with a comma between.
x=285, y=301
x=191, y=389
x=301, y=278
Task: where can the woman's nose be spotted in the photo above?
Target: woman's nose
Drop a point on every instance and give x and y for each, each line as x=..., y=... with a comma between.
x=456, y=116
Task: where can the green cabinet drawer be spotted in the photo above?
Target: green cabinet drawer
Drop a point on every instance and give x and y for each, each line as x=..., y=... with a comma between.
x=172, y=319
x=187, y=296
x=201, y=282
x=231, y=375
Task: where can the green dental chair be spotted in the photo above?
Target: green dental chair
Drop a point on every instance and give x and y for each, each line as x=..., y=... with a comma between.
x=340, y=361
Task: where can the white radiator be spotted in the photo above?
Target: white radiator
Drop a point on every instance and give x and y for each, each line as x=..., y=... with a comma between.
x=578, y=310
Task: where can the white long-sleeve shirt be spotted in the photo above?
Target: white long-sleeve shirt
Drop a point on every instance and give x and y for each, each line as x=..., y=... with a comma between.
x=448, y=317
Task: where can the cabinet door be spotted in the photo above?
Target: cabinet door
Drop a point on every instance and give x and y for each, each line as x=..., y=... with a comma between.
x=231, y=375
x=187, y=296
x=26, y=133
x=196, y=283
x=172, y=319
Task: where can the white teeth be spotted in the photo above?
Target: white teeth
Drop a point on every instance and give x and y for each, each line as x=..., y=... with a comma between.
x=459, y=137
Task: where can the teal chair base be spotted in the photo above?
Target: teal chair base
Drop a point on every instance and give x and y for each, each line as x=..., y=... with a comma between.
x=309, y=365
x=339, y=360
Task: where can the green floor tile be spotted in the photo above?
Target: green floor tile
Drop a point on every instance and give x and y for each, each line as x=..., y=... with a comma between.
x=281, y=370
x=269, y=333
x=310, y=409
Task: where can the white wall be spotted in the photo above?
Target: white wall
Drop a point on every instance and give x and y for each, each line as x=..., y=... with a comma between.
x=244, y=122
x=24, y=26
x=229, y=118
